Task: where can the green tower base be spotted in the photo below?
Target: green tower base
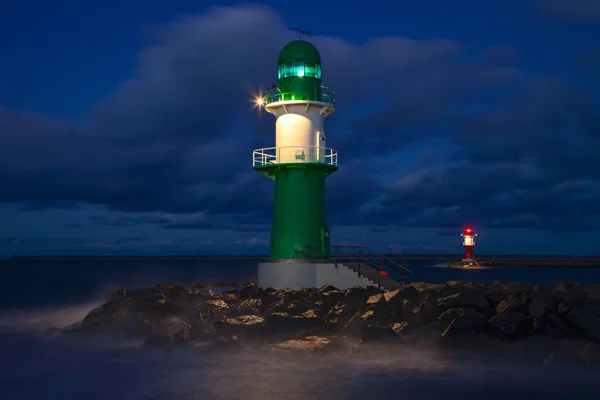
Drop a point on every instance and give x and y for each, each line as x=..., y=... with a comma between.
x=299, y=230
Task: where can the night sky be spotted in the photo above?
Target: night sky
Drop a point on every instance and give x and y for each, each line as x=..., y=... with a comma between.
x=126, y=127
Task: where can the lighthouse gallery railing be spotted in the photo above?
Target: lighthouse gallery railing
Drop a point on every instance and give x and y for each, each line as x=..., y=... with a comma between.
x=294, y=154
x=326, y=94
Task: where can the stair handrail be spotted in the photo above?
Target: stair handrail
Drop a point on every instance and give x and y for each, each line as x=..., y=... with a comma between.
x=375, y=253
x=362, y=256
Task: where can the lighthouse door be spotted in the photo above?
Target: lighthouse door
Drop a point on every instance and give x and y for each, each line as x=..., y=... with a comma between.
x=321, y=146
x=325, y=240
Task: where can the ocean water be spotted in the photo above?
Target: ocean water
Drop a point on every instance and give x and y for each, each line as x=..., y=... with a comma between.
x=39, y=364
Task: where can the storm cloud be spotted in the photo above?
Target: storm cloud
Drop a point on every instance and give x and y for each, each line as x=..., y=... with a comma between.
x=431, y=133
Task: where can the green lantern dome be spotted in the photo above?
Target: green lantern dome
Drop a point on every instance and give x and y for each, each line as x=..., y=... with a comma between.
x=299, y=71
x=299, y=51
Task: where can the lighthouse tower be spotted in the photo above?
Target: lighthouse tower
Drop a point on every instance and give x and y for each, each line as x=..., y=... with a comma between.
x=299, y=164
x=469, y=243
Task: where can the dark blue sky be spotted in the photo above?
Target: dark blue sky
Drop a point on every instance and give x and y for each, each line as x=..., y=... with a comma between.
x=125, y=126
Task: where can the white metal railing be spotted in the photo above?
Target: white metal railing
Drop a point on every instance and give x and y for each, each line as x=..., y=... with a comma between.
x=294, y=154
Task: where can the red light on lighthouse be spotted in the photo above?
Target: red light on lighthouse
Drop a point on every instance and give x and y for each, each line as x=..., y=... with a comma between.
x=468, y=243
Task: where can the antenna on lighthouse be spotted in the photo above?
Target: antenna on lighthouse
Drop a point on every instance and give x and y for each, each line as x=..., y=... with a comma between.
x=300, y=31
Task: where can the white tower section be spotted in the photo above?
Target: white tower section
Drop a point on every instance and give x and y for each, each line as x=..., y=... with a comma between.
x=300, y=131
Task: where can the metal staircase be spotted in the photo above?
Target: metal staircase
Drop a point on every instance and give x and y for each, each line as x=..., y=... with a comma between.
x=381, y=281
x=384, y=272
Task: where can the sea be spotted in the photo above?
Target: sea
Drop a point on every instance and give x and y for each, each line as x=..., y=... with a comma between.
x=38, y=363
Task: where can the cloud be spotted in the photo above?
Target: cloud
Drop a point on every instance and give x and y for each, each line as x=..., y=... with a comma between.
x=429, y=134
x=573, y=10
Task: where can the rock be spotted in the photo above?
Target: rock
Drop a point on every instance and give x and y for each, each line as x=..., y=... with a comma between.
x=230, y=296
x=553, y=326
x=465, y=326
x=394, y=299
x=430, y=308
x=559, y=287
x=280, y=322
x=248, y=306
x=309, y=343
x=513, y=303
x=413, y=315
x=449, y=315
x=341, y=313
x=327, y=289
x=169, y=326
x=512, y=325
x=376, y=299
x=543, y=293
x=586, y=319
x=537, y=308
x=250, y=290
x=217, y=303
x=204, y=326
x=399, y=326
x=472, y=298
x=376, y=314
x=328, y=300
x=494, y=298
x=241, y=325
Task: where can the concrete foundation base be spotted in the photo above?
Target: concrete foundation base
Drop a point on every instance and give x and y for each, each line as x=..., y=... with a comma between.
x=308, y=275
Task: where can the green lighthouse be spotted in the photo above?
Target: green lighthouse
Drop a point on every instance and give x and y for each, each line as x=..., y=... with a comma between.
x=300, y=162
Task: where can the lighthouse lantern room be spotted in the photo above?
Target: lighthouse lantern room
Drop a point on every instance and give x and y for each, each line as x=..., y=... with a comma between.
x=469, y=243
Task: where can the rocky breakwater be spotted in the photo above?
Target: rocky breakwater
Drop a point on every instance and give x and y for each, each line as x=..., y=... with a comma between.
x=455, y=315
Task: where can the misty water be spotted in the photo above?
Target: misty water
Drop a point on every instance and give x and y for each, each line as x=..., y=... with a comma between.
x=36, y=363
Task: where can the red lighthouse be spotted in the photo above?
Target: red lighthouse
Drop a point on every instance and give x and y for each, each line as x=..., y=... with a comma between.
x=469, y=243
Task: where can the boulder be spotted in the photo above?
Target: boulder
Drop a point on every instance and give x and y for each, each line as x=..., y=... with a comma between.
x=170, y=326
x=356, y=294
x=449, y=315
x=247, y=306
x=308, y=343
x=341, y=313
x=552, y=325
x=413, y=315
x=280, y=322
x=327, y=289
x=512, y=325
x=471, y=298
x=465, y=326
x=376, y=314
x=394, y=299
x=241, y=325
x=543, y=293
x=587, y=319
x=430, y=307
x=537, y=308
x=329, y=299
x=513, y=303
x=250, y=290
